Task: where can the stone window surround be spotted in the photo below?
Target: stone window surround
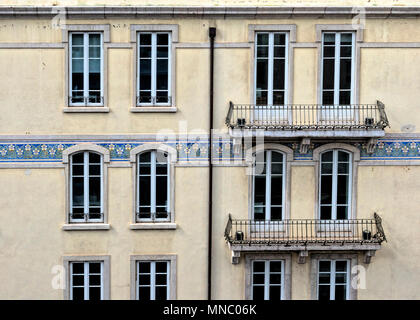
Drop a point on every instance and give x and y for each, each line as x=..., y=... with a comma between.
x=354, y=163
x=172, y=159
x=288, y=157
x=315, y=257
x=358, y=29
x=172, y=258
x=66, y=161
x=286, y=28
x=104, y=28
x=92, y=258
x=173, y=29
x=286, y=257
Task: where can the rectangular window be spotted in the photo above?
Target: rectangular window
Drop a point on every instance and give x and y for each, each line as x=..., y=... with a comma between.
x=153, y=68
x=86, y=187
x=267, y=280
x=153, y=280
x=86, y=69
x=338, y=51
x=153, y=186
x=335, y=185
x=86, y=280
x=333, y=279
x=271, y=61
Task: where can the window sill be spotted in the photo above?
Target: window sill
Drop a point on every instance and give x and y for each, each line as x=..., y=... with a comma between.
x=153, y=226
x=86, y=226
x=153, y=109
x=85, y=109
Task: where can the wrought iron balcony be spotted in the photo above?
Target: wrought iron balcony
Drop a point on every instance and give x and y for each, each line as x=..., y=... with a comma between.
x=316, y=117
x=304, y=234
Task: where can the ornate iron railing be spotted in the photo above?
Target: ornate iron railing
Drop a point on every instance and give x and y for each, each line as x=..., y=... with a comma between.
x=304, y=231
x=307, y=117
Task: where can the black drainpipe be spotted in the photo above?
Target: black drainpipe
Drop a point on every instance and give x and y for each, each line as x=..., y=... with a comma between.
x=212, y=35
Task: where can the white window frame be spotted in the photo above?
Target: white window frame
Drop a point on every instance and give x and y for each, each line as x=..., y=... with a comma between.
x=267, y=274
x=86, y=188
x=171, y=260
x=154, y=69
x=332, y=274
x=334, y=184
x=152, y=274
x=153, y=218
x=337, y=57
x=86, y=275
x=271, y=66
x=105, y=273
x=267, y=159
x=85, y=69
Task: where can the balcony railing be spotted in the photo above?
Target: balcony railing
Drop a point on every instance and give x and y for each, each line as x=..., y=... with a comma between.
x=307, y=117
x=304, y=231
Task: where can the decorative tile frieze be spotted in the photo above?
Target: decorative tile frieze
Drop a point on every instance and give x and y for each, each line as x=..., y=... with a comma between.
x=190, y=151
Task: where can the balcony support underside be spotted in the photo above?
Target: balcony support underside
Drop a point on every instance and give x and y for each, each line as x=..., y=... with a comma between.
x=303, y=249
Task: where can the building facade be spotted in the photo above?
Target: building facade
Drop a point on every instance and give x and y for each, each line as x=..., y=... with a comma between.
x=104, y=150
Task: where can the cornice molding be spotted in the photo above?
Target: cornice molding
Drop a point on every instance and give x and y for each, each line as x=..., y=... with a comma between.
x=100, y=12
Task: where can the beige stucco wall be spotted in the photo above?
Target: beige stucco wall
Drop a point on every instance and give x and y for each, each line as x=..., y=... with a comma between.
x=38, y=77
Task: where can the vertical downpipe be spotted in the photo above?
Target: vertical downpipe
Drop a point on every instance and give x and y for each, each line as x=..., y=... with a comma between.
x=212, y=35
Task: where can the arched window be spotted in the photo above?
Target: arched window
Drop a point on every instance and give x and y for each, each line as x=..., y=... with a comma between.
x=153, y=186
x=335, y=184
x=269, y=172
x=86, y=187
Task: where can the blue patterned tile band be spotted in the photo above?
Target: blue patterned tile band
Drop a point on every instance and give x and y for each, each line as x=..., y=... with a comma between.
x=386, y=149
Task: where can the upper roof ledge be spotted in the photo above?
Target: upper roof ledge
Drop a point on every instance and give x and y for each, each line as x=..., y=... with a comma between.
x=176, y=11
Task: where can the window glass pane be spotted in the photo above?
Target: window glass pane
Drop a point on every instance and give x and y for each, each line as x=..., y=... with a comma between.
x=346, y=39
x=327, y=168
x=78, y=268
x=327, y=156
x=145, y=74
x=340, y=278
x=324, y=278
x=78, y=294
x=94, y=52
x=95, y=191
x=162, y=39
x=344, y=97
x=161, y=190
x=95, y=293
x=144, y=279
x=94, y=280
x=275, y=292
x=262, y=39
x=262, y=74
x=161, y=267
x=78, y=191
x=341, y=266
x=144, y=191
x=324, y=266
x=340, y=292
x=343, y=156
x=144, y=293
x=279, y=39
x=258, y=278
x=345, y=52
x=276, y=157
x=278, y=74
x=326, y=189
x=328, y=74
x=275, y=266
x=276, y=213
x=77, y=170
x=161, y=293
x=258, y=293
x=276, y=190
x=161, y=279
x=278, y=99
x=94, y=66
x=345, y=74
x=94, y=39
x=144, y=267
x=78, y=280
x=262, y=52
x=95, y=84
x=162, y=97
x=162, y=74
x=279, y=52
x=77, y=52
x=259, y=190
x=329, y=52
x=94, y=267
x=77, y=39
x=145, y=52
x=343, y=168
x=328, y=97
x=276, y=168
x=342, y=189
x=145, y=168
x=77, y=66
x=261, y=97
x=275, y=278
x=162, y=52
x=94, y=169
x=78, y=157
x=324, y=292
x=329, y=38
x=325, y=212
x=145, y=39
x=259, y=266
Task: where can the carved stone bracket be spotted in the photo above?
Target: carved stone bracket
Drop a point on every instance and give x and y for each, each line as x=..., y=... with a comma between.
x=236, y=255
x=302, y=256
x=304, y=145
x=371, y=145
x=368, y=256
